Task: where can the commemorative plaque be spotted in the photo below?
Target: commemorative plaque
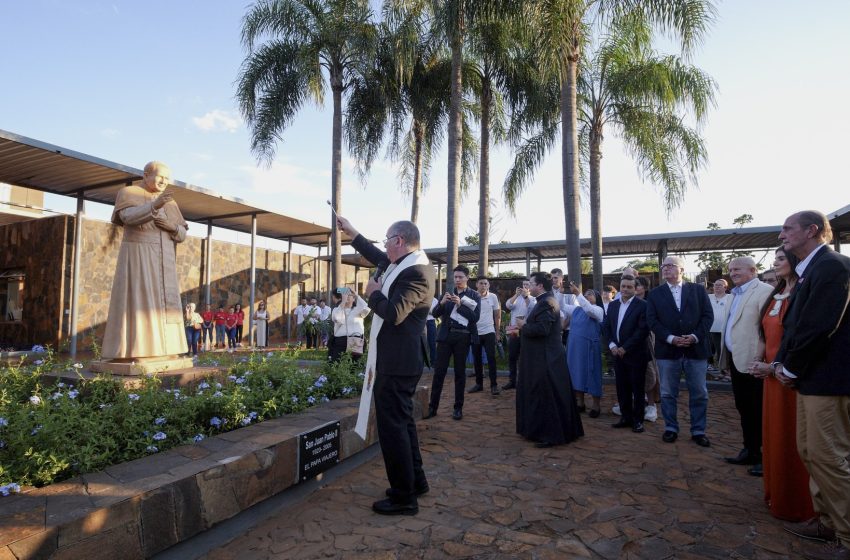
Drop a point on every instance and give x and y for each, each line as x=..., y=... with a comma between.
x=318, y=450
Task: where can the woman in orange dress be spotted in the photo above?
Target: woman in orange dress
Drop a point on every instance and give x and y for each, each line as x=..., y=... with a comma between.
x=786, y=481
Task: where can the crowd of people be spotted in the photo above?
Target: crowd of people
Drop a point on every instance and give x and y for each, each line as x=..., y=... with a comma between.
x=222, y=329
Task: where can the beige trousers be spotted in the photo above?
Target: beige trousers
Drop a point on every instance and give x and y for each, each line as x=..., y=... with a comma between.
x=823, y=440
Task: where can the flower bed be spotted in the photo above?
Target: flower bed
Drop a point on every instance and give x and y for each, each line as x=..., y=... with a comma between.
x=53, y=432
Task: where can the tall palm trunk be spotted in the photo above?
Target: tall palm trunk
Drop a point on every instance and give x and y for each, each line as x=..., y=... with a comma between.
x=596, y=206
x=484, y=180
x=454, y=141
x=336, y=179
x=418, y=139
x=569, y=169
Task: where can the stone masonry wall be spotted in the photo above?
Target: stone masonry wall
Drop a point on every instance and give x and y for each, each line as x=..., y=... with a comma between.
x=44, y=248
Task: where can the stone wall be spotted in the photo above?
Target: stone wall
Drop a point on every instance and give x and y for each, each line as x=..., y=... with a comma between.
x=40, y=248
x=44, y=248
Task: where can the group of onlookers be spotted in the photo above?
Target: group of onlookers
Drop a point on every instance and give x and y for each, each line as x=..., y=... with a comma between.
x=340, y=328
x=228, y=327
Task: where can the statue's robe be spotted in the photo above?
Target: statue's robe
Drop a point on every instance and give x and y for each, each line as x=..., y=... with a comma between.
x=145, y=315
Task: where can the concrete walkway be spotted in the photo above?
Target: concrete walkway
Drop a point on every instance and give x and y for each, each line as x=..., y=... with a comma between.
x=612, y=494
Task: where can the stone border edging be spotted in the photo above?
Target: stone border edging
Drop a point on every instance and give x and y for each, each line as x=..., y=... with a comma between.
x=139, y=508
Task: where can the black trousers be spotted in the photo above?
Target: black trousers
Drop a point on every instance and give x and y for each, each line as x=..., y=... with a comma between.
x=336, y=346
x=397, y=433
x=748, y=391
x=631, y=381
x=488, y=341
x=455, y=346
x=514, y=346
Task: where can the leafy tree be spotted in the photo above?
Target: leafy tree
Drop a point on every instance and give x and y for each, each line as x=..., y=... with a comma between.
x=643, y=97
x=296, y=50
x=561, y=30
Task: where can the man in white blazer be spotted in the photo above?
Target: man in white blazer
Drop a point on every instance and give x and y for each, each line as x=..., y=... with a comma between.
x=741, y=343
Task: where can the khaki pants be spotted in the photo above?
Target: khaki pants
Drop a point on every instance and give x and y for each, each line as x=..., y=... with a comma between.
x=823, y=440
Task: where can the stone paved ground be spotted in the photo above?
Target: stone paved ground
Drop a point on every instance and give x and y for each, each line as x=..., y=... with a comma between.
x=612, y=494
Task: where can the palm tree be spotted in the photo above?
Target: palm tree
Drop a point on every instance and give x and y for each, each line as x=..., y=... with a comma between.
x=296, y=48
x=644, y=98
x=562, y=28
x=405, y=93
x=493, y=44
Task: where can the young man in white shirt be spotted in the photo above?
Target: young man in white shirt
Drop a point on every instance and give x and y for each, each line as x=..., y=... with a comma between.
x=300, y=313
x=488, y=325
x=325, y=319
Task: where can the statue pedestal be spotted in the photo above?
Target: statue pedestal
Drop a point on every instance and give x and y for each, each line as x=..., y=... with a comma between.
x=143, y=366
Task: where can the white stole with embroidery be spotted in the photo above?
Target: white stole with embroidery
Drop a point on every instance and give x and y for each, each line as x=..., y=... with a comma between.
x=414, y=258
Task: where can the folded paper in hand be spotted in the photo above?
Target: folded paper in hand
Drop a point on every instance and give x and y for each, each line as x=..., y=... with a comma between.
x=467, y=302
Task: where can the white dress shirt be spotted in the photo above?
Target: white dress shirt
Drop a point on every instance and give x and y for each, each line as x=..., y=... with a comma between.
x=624, y=306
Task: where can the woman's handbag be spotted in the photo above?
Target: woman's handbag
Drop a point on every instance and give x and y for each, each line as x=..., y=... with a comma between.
x=354, y=343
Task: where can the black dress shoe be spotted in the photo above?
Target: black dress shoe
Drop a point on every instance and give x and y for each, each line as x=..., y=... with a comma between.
x=431, y=413
x=669, y=436
x=756, y=470
x=743, y=458
x=389, y=507
x=621, y=424
x=543, y=444
x=509, y=385
x=457, y=414
x=701, y=440
x=418, y=490
x=475, y=388
x=638, y=428
x=594, y=413
x=494, y=390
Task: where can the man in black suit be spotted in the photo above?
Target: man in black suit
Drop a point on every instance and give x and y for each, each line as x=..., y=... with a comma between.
x=400, y=298
x=460, y=311
x=814, y=358
x=625, y=327
x=680, y=315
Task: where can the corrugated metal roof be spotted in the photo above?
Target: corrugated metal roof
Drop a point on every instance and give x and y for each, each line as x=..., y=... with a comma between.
x=737, y=239
x=37, y=165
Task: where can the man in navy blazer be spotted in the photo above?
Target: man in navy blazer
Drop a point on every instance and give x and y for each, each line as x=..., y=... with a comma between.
x=814, y=358
x=680, y=315
x=625, y=327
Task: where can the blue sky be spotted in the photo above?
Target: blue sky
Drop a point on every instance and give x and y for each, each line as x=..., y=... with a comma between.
x=132, y=81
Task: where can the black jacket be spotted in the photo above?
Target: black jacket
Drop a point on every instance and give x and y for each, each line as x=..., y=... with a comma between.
x=633, y=331
x=401, y=345
x=444, y=310
x=695, y=317
x=816, y=339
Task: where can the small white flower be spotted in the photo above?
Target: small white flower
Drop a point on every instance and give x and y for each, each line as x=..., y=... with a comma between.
x=36, y=430
x=159, y=436
x=218, y=394
x=78, y=365
x=38, y=362
x=73, y=394
x=159, y=421
x=35, y=399
x=198, y=438
x=151, y=449
x=203, y=385
x=60, y=385
x=133, y=397
x=231, y=377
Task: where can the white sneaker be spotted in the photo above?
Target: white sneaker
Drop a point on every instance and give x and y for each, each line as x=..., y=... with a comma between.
x=616, y=409
x=651, y=413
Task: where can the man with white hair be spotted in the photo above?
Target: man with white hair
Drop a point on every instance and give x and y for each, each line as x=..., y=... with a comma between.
x=680, y=315
x=740, y=345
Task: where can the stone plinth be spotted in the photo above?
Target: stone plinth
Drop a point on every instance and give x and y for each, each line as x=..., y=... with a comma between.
x=143, y=366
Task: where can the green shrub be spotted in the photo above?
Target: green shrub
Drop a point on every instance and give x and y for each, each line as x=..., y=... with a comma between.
x=52, y=432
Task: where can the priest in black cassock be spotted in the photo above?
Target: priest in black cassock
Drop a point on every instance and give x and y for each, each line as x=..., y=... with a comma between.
x=546, y=412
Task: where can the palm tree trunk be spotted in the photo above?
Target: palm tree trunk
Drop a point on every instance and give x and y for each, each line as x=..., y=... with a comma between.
x=418, y=139
x=569, y=170
x=454, y=164
x=596, y=207
x=336, y=180
x=484, y=182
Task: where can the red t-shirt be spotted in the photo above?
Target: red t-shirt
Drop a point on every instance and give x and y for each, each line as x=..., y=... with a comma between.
x=220, y=317
x=207, y=316
x=231, y=320
x=240, y=317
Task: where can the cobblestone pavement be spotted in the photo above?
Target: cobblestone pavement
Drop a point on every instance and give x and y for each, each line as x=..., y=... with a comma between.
x=612, y=494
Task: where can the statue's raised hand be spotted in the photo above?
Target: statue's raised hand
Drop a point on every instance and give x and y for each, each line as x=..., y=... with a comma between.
x=162, y=200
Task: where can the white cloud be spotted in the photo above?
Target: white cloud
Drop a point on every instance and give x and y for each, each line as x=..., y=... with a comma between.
x=290, y=189
x=216, y=120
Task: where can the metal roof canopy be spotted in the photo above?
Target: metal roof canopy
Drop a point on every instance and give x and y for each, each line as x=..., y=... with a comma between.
x=45, y=167
x=737, y=239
